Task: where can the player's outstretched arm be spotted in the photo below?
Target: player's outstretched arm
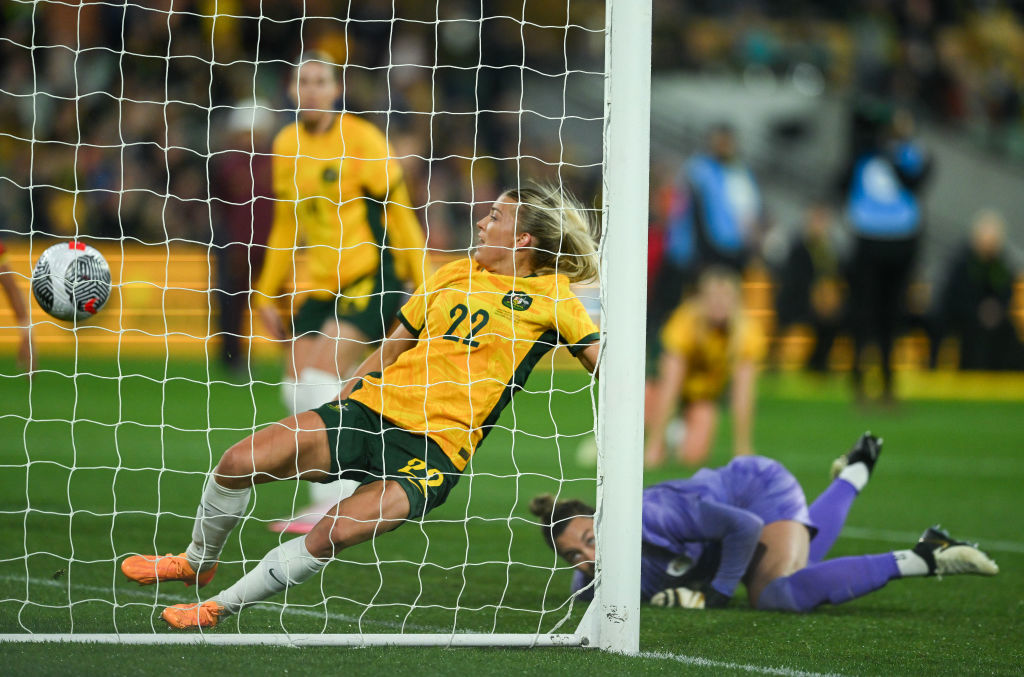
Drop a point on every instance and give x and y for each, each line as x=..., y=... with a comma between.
x=588, y=357
x=743, y=385
x=400, y=340
x=671, y=373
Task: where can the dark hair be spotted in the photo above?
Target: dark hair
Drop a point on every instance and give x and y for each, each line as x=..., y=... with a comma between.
x=555, y=515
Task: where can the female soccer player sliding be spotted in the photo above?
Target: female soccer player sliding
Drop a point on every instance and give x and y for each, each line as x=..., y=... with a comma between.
x=418, y=409
x=708, y=342
x=749, y=522
x=340, y=193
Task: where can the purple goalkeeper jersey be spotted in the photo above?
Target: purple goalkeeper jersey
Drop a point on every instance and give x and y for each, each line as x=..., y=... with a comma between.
x=703, y=530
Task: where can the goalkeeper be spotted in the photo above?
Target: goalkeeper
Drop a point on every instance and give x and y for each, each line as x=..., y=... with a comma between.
x=749, y=522
x=340, y=195
x=417, y=410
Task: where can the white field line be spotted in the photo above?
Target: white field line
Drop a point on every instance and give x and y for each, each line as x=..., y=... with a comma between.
x=177, y=599
x=697, y=661
x=908, y=538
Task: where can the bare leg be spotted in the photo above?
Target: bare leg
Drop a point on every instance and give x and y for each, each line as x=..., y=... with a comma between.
x=786, y=545
x=293, y=448
x=373, y=509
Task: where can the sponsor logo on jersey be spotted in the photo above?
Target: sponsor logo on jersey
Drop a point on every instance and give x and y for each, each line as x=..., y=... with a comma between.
x=330, y=175
x=517, y=300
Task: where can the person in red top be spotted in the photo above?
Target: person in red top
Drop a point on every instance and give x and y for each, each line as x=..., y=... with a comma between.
x=26, y=349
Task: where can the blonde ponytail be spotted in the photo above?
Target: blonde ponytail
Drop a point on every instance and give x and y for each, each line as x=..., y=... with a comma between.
x=565, y=237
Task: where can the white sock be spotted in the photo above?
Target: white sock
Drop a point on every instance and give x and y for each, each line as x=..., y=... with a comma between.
x=333, y=493
x=856, y=474
x=313, y=388
x=286, y=565
x=218, y=513
x=288, y=396
x=910, y=563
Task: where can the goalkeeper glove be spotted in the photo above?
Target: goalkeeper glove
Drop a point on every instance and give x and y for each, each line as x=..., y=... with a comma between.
x=685, y=598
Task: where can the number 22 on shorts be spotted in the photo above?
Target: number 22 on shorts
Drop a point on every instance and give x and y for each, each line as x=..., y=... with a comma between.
x=432, y=477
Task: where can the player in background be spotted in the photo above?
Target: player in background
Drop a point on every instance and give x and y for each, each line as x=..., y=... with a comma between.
x=340, y=196
x=19, y=305
x=749, y=522
x=406, y=426
x=707, y=342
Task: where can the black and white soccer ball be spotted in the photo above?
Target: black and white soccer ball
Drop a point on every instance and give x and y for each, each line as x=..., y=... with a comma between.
x=71, y=281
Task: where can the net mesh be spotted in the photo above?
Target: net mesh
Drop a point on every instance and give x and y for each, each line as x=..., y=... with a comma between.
x=145, y=130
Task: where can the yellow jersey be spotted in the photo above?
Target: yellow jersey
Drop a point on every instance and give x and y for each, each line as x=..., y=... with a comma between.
x=479, y=336
x=340, y=194
x=710, y=352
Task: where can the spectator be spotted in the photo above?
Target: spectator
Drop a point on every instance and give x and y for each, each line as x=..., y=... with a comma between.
x=810, y=285
x=976, y=299
x=243, y=198
x=721, y=221
x=881, y=188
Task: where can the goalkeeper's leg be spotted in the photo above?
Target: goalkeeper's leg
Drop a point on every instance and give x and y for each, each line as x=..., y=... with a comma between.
x=840, y=580
x=290, y=449
x=375, y=508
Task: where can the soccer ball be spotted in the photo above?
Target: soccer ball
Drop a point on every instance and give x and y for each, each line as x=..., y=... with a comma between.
x=71, y=281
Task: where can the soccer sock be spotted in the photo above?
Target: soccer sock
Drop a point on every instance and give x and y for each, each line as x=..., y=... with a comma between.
x=835, y=581
x=856, y=474
x=828, y=512
x=333, y=493
x=286, y=565
x=218, y=513
x=315, y=387
x=910, y=563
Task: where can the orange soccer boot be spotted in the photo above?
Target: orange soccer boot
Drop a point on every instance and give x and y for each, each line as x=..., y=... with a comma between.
x=186, y=616
x=148, y=569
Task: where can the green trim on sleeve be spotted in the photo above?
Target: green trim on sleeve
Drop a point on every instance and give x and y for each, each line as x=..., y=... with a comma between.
x=408, y=325
x=581, y=345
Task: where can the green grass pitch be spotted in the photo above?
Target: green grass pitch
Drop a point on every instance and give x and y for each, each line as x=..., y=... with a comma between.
x=111, y=462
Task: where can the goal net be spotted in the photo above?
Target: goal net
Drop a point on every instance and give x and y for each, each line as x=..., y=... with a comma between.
x=145, y=130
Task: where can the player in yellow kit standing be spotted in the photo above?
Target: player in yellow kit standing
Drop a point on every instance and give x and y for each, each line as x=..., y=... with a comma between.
x=418, y=409
x=340, y=196
x=708, y=342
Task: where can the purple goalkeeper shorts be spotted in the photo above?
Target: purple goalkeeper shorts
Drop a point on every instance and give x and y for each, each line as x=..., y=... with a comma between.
x=764, y=487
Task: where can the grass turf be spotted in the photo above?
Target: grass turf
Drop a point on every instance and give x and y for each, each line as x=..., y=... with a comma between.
x=111, y=461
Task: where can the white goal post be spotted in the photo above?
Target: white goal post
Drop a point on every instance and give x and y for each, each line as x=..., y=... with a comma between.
x=612, y=621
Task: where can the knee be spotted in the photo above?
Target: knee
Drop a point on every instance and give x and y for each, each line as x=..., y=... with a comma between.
x=235, y=469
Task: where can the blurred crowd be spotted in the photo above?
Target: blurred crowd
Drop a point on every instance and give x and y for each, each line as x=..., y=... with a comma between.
x=850, y=267
x=957, y=62
x=133, y=122
x=117, y=117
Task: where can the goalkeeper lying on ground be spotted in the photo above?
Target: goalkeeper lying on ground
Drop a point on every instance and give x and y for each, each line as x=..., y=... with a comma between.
x=420, y=406
x=749, y=522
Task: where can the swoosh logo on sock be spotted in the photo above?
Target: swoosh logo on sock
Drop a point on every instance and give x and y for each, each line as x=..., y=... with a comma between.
x=271, y=572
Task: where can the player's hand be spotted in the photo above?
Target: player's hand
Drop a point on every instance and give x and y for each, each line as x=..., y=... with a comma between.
x=684, y=598
x=27, y=352
x=272, y=323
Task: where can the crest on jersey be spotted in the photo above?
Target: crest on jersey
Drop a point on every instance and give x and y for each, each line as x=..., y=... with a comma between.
x=330, y=175
x=517, y=300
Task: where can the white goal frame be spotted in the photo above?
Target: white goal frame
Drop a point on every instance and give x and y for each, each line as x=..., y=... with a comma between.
x=612, y=622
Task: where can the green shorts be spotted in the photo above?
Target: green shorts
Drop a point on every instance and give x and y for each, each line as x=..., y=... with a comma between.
x=362, y=450
x=366, y=304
